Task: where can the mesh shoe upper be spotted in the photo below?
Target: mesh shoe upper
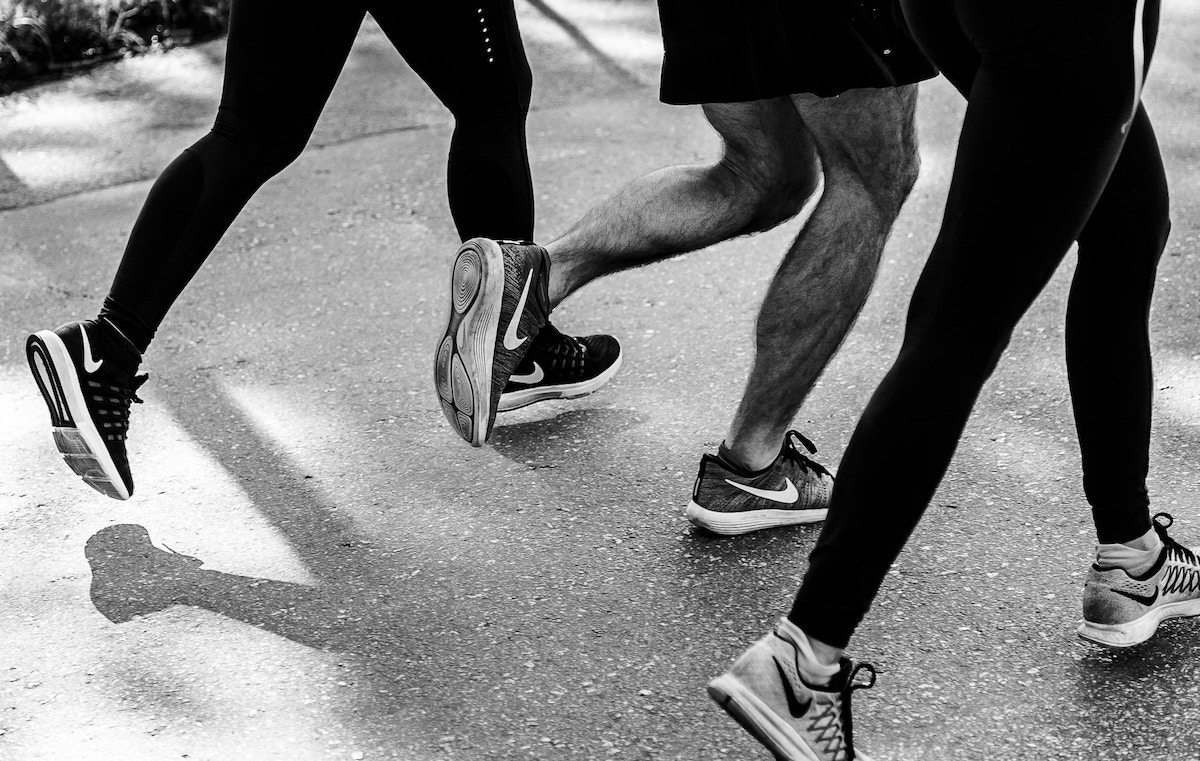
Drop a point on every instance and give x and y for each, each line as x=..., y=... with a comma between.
x=558, y=359
x=792, y=482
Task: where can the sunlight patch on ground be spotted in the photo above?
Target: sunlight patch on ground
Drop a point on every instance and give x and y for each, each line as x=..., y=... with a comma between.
x=184, y=70
x=183, y=497
x=330, y=448
x=60, y=112
x=175, y=680
x=1177, y=388
x=44, y=167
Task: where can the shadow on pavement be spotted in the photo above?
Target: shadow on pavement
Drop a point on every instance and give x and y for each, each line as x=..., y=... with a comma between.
x=532, y=438
x=1159, y=668
x=131, y=577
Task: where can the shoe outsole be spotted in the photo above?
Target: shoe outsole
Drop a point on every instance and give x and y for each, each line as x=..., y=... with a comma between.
x=1140, y=629
x=463, y=363
x=75, y=434
x=733, y=524
x=515, y=400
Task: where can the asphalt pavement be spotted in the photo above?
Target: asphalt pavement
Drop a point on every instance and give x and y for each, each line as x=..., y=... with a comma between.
x=314, y=566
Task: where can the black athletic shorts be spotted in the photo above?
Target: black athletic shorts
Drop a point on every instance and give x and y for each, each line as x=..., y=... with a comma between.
x=731, y=51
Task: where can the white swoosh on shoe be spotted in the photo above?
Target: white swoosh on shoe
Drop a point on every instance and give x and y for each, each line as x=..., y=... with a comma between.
x=533, y=377
x=788, y=495
x=90, y=365
x=511, y=340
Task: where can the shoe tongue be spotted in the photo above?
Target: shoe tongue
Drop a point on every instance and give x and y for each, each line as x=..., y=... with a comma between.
x=841, y=680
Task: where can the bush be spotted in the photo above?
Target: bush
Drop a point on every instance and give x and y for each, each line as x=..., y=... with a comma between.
x=56, y=35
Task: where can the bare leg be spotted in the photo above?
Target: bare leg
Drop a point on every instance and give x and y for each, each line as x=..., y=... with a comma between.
x=767, y=170
x=867, y=144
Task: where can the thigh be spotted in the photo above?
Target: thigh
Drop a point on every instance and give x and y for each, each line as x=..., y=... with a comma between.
x=1029, y=171
x=469, y=53
x=283, y=59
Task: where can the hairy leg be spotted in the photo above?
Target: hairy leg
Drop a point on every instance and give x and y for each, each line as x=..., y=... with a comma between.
x=866, y=140
x=767, y=169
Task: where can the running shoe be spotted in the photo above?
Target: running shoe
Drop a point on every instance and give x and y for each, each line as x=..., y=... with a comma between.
x=498, y=303
x=89, y=397
x=797, y=721
x=794, y=489
x=131, y=577
x=559, y=366
x=1120, y=610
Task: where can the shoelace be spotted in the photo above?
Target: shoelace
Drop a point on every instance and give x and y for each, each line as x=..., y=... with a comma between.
x=792, y=444
x=113, y=402
x=1177, y=579
x=845, y=693
x=562, y=351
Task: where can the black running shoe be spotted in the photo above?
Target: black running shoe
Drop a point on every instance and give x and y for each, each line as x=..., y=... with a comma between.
x=498, y=303
x=559, y=366
x=794, y=489
x=89, y=398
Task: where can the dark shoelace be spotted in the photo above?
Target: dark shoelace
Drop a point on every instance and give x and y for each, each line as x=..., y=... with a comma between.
x=1177, y=579
x=113, y=402
x=792, y=450
x=845, y=693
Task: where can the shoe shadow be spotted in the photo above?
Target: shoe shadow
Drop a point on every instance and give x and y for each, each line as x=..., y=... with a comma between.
x=546, y=431
x=1104, y=680
x=131, y=577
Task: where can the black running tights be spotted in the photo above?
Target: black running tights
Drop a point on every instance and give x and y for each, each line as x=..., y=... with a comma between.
x=281, y=65
x=1055, y=148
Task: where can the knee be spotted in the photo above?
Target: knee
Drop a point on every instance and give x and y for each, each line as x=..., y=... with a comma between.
x=772, y=184
x=887, y=176
x=488, y=103
x=266, y=157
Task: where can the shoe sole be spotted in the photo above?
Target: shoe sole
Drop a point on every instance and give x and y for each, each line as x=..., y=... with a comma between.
x=1140, y=629
x=75, y=434
x=463, y=363
x=515, y=400
x=732, y=524
x=757, y=718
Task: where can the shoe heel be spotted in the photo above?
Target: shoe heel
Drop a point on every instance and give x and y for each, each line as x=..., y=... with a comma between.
x=48, y=381
x=468, y=274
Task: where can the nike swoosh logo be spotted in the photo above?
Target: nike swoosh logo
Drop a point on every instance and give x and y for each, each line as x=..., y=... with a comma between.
x=1147, y=601
x=785, y=496
x=90, y=365
x=511, y=340
x=533, y=377
x=796, y=706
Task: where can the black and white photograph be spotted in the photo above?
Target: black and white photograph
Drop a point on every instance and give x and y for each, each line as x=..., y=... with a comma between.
x=435, y=380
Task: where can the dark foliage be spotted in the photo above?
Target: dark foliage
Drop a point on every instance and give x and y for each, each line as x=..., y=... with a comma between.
x=42, y=37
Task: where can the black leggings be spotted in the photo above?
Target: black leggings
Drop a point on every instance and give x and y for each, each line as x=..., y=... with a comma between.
x=1054, y=148
x=282, y=62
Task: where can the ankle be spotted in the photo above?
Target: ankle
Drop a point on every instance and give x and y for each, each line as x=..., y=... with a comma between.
x=1135, y=557
x=747, y=457
x=117, y=345
x=818, y=662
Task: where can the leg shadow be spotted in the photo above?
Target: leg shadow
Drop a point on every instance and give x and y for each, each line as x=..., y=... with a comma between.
x=131, y=577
